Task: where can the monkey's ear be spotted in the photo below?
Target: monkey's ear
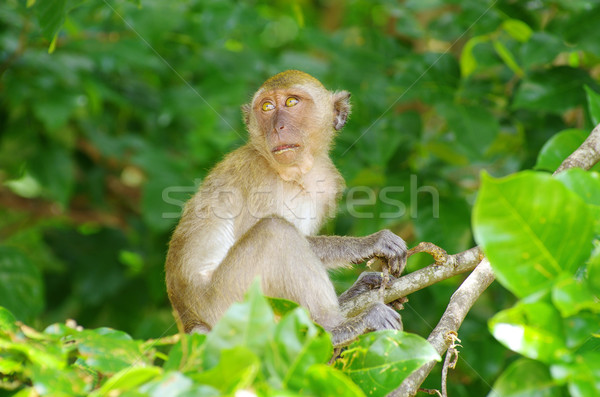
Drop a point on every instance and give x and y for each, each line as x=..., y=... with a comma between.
x=246, y=109
x=341, y=109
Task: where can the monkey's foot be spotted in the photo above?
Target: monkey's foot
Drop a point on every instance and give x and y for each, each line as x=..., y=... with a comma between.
x=367, y=281
x=375, y=318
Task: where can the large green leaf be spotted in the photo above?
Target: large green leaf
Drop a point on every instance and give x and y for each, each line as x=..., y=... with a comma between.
x=532, y=228
x=587, y=186
x=526, y=378
x=531, y=329
x=250, y=324
x=379, y=361
x=21, y=286
x=297, y=345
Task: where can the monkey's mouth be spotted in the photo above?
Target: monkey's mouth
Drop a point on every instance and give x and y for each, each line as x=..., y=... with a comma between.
x=285, y=148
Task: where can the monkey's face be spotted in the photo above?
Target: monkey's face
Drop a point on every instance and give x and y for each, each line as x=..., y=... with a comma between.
x=292, y=120
x=286, y=120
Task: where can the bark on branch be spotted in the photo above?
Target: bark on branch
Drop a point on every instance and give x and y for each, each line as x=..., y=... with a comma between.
x=446, y=267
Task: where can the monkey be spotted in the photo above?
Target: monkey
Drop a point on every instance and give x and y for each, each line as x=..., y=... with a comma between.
x=257, y=213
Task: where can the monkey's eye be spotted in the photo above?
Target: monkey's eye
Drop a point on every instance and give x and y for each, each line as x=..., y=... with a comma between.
x=267, y=106
x=291, y=101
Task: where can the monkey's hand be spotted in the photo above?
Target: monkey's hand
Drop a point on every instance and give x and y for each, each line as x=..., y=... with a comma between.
x=367, y=281
x=376, y=317
x=389, y=247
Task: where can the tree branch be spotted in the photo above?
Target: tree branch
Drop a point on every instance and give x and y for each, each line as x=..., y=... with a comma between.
x=585, y=156
x=446, y=266
x=460, y=304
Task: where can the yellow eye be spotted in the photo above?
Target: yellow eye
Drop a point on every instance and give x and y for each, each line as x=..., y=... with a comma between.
x=291, y=101
x=267, y=106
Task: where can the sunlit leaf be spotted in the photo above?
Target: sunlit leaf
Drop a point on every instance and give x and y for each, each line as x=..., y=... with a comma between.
x=379, y=361
x=525, y=378
x=297, y=345
x=324, y=381
x=532, y=228
x=249, y=324
x=531, y=329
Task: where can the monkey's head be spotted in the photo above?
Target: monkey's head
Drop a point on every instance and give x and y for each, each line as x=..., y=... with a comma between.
x=292, y=119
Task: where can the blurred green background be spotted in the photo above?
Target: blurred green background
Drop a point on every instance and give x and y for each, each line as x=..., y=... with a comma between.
x=112, y=112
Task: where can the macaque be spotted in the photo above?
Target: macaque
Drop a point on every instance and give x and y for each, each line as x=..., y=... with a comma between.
x=257, y=213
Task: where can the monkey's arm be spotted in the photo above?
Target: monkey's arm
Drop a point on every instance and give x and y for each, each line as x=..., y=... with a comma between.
x=375, y=318
x=336, y=251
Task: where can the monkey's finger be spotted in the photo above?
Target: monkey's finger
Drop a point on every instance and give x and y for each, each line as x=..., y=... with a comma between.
x=394, y=266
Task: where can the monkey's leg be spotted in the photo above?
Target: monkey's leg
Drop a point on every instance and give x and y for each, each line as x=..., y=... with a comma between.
x=281, y=256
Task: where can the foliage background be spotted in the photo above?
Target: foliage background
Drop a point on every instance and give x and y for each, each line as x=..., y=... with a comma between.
x=103, y=137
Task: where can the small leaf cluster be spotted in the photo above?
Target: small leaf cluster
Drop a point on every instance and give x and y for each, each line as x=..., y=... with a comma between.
x=247, y=351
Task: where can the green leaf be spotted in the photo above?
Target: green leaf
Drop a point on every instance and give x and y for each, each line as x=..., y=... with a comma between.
x=187, y=354
x=554, y=90
x=525, y=378
x=281, y=307
x=532, y=228
x=54, y=168
x=585, y=377
x=508, y=58
x=593, y=100
x=109, y=351
x=127, y=379
x=586, y=185
x=593, y=270
x=58, y=382
x=541, y=49
x=236, y=370
x=379, y=361
x=21, y=285
x=325, y=381
x=558, y=148
x=173, y=384
x=570, y=296
x=248, y=324
x=531, y=329
x=468, y=63
x=51, y=16
x=297, y=344
x=581, y=328
x=474, y=127
x=517, y=29
x=7, y=321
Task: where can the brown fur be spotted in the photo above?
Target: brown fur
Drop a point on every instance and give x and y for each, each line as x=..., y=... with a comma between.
x=256, y=209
